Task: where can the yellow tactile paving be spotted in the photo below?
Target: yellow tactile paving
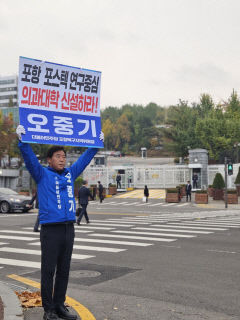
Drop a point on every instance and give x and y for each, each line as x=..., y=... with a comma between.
x=153, y=194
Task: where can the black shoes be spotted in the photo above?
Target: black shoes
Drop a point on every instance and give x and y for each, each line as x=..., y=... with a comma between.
x=36, y=230
x=50, y=315
x=63, y=313
x=78, y=223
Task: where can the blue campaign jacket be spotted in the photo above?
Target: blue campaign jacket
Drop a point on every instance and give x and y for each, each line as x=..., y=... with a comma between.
x=55, y=190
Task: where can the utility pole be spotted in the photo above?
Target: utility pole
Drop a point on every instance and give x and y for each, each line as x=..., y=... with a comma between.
x=226, y=175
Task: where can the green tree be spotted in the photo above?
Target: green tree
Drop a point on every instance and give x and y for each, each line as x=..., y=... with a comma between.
x=182, y=120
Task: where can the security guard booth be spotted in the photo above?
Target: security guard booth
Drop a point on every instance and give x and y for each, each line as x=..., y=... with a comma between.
x=198, y=165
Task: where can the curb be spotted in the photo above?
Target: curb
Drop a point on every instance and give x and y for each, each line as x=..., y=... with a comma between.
x=11, y=303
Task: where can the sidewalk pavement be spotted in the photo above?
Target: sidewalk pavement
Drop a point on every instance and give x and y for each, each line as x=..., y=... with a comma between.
x=10, y=303
x=12, y=309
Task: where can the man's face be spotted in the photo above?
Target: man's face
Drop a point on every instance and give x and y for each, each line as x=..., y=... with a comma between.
x=58, y=160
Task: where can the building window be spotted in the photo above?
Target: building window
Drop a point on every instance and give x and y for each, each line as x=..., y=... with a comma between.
x=7, y=81
x=14, y=96
x=8, y=89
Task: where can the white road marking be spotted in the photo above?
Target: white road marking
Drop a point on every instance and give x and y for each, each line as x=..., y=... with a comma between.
x=125, y=222
x=156, y=204
x=17, y=238
x=95, y=228
x=38, y=252
x=223, y=251
x=20, y=263
x=209, y=224
x=27, y=228
x=124, y=243
x=173, y=230
x=104, y=249
x=110, y=224
x=131, y=237
x=91, y=248
x=155, y=234
x=180, y=226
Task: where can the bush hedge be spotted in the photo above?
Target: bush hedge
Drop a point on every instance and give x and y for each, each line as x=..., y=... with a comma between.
x=218, y=182
x=232, y=191
x=172, y=190
x=237, y=180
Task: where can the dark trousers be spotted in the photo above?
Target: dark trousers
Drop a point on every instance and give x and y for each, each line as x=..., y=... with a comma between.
x=56, y=246
x=36, y=223
x=118, y=185
x=101, y=197
x=83, y=213
x=188, y=194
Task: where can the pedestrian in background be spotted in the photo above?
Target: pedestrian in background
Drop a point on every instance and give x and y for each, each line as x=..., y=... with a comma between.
x=30, y=205
x=37, y=222
x=83, y=195
x=100, y=191
x=188, y=190
x=118, y=179
x=195, y=181
x=57, y=210
x=146, y=193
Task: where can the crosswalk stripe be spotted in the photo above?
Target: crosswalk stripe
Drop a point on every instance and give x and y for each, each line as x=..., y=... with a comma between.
x=229, y=218
x=180, y=226
x=17, y=238
x=110, y=223
x=208, y=224
x=110, y=202
x=133, y=203
x=32, y=232
x=38, y=252
x=155, y=234
x=127, y=221
x=95, y=228
x=124, y=243
x=221, y=221
x=20, y=263
x=183, y=204
x=131, y=237
x=104, y=249
x=156, y=204
x=216, y=221
x=173, y=230
x=115, y=203
x=3, y=243
x=90, y=248
x=168, y=204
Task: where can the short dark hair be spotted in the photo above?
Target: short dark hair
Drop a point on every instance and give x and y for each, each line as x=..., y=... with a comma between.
x=99, y=181
x=53, y=149
x=84, y=182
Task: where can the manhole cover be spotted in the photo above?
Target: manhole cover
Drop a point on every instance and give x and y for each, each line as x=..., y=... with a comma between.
x=84, y=274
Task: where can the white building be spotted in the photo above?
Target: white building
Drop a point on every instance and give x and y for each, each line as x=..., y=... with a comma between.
x=8, y=91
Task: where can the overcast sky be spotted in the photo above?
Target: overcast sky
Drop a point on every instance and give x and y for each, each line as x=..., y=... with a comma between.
x=147, y=50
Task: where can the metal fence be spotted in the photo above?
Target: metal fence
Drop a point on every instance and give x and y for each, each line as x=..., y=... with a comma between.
x=165, y=176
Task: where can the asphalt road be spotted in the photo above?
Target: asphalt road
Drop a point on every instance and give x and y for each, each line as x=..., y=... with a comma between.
x=148, y=261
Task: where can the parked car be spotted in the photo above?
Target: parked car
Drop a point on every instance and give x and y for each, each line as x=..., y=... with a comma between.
x=10, y=201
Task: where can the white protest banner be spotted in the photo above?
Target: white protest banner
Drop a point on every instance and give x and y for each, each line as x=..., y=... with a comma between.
x=59, y=104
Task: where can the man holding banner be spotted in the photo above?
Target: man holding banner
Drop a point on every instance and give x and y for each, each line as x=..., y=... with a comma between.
x=59, y=105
